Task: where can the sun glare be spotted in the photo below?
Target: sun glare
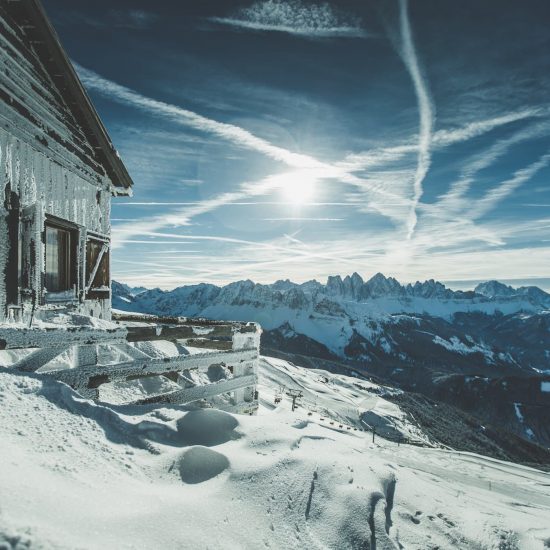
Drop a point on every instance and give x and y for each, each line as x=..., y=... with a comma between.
x=298, y=187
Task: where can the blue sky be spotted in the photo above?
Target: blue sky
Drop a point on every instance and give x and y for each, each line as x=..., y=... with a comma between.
x=294, y=139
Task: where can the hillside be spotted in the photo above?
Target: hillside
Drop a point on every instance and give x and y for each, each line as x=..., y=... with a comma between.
x=87, y=475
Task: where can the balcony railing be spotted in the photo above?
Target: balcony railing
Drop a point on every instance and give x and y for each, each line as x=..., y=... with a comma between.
x=232, y=345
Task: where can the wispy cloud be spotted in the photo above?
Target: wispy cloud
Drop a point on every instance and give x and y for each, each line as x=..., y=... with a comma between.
x=480, y=127
x=454, y=200
x=132, y=19
x=295, y=17
x=496, y=195
x=235, y=203
x=458, y=225
x=386, y=156
x=303, y=219
x=426, y=112
x=235, y=134
x=368, y=177
x=386, y=191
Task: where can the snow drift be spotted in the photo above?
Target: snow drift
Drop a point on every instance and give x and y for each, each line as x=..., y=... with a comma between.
x=74, y=473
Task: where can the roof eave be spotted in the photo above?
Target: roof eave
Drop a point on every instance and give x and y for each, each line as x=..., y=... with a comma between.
x=101, y=142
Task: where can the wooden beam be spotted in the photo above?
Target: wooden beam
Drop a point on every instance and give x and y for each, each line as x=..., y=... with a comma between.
x=149, y=333
x=93, y=377
x=205, y=343
x=22, y=338
x=196, y=393
x=39, y=358
x=134, y=353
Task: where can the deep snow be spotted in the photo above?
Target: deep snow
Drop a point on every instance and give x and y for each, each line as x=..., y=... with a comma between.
x=76, y=474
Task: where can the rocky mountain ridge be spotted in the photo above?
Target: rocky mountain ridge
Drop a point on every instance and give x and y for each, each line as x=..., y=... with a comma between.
x=423, y=337
x=351, y=288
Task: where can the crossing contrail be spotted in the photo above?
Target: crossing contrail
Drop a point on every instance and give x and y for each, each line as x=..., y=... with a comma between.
x=426, y=112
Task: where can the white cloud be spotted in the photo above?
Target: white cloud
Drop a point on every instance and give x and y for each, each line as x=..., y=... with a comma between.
x=454, y=200
x=296, y=219
x=385, y=191
x=441, y=138
x=295, y=17
x=479, y=127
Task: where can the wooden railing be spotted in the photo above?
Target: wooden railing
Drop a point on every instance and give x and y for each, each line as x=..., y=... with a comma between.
x=230, y=344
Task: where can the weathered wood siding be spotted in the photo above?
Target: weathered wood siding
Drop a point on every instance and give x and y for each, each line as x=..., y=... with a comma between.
x=47, y=166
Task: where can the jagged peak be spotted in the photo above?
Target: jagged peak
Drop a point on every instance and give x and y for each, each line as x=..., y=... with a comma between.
x=377, y=277
x=334, y=279
x=494, y=288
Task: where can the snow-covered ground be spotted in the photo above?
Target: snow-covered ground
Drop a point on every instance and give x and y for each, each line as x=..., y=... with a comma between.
x=76, y=474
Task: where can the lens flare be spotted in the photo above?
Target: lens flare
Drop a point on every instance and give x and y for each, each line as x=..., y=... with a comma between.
x=298, y=187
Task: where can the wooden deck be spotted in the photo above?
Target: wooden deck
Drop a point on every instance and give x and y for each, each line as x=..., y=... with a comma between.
x=228, y=344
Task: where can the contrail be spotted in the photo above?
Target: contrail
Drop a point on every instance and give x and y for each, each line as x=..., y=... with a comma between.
x=496, y=195
x=426, y=112
x=235, y=134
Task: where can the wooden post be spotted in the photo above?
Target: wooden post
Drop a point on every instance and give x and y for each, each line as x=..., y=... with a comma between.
x=245, y=340
x=39, y=358
x=84, y=355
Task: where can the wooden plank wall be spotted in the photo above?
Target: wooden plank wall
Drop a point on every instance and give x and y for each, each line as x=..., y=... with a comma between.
x=46, y=161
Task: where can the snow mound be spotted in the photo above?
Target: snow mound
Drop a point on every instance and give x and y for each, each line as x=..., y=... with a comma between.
x=207, y=428
x=200, y=464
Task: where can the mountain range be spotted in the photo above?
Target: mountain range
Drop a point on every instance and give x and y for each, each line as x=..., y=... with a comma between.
x=486, y=351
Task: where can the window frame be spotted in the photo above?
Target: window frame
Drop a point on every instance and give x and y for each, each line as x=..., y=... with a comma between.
x=71, y=293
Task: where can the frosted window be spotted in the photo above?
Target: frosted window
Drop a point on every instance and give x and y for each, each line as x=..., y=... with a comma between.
x=59, y=259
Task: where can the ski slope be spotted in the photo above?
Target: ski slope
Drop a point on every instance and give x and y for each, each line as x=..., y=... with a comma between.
x=79, y=474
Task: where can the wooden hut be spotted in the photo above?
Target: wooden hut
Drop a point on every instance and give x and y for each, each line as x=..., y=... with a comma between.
x=58, y=172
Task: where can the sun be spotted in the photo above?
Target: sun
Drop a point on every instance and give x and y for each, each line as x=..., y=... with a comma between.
x=298, y=188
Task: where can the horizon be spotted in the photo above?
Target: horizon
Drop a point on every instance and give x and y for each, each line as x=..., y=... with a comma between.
x=541, y=282
x=278, y=139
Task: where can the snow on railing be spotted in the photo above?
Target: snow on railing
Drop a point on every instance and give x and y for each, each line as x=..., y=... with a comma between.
x=232, y=345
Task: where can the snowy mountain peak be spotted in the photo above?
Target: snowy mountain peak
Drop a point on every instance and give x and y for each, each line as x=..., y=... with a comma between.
x=351, y=288
x=493, y=289
x=283, y=285
x=380, y=285
x=496, y=290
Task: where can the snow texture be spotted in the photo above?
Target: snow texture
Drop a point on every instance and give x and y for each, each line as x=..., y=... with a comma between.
x=460, y=347
x=78, y=474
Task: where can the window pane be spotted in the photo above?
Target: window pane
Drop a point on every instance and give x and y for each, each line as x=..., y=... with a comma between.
x=58, y=259
x=52, y=259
